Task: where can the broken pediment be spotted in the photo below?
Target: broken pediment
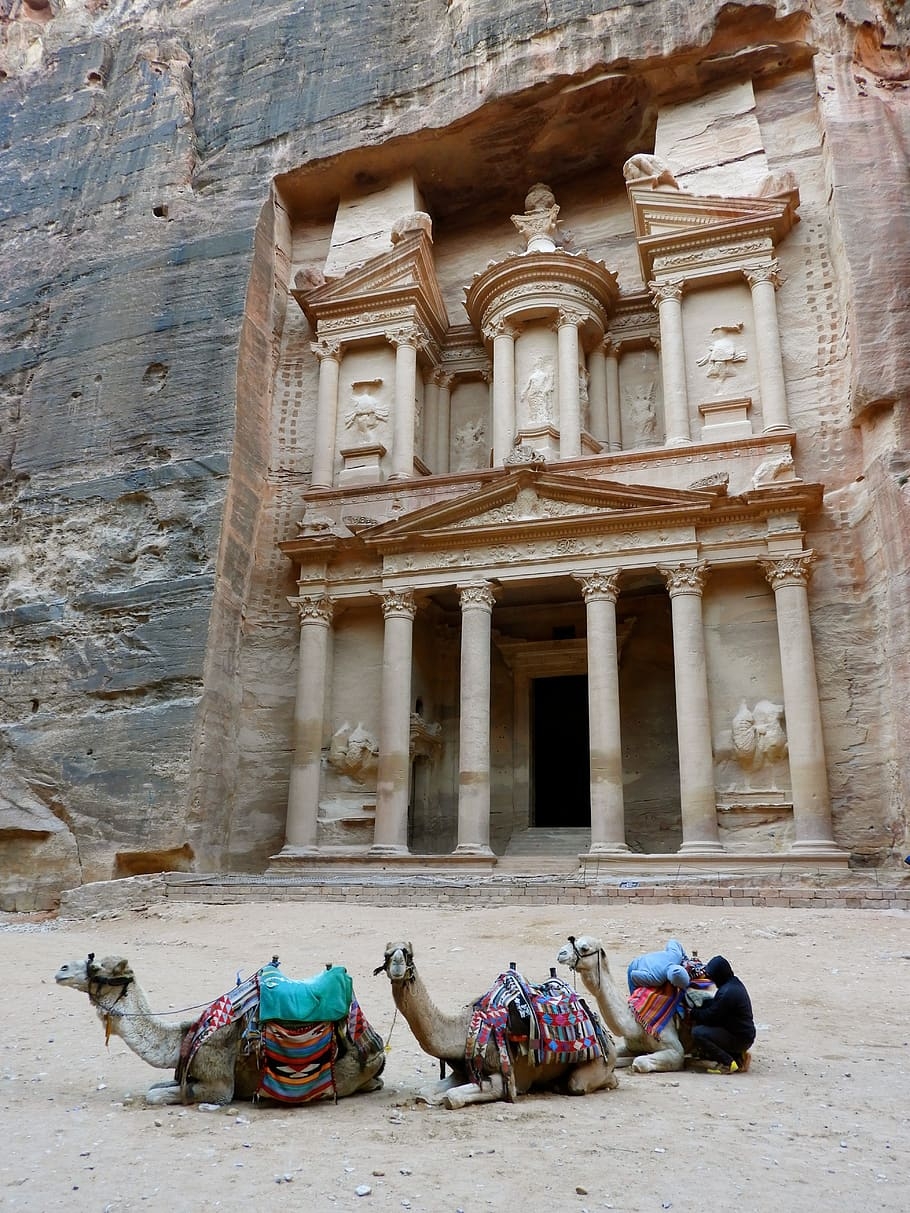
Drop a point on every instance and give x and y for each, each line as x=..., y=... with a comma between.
x=669, y=224
x=535, y=500
x=381, y=291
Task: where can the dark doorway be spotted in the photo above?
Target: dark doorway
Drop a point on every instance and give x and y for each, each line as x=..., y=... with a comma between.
x=560, y=749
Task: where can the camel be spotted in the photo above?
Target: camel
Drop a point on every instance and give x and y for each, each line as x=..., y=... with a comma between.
x=220, y=1071
x=446, y=1037
x=649, y=1054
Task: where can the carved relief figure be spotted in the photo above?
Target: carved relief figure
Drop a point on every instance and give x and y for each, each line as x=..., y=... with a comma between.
x=354, y=752
x=773, y=469
x=758, y=735
x=722, y=353
x=537, y=397
x=366, y=414
x=646, y=167
x=466, y=443
x=641, y=412
x=583, y=398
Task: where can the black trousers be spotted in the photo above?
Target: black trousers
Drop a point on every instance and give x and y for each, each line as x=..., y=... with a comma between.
x=719, y=1044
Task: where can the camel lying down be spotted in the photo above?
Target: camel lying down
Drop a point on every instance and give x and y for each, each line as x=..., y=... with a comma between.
x=221, y=1069
x=498, y=1070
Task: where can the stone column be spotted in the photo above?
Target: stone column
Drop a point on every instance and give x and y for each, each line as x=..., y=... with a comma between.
x=789, y=578
x=502, y=335
x=444, y=424
x=597, y=394
x=474, y=731
x=312, y=661
x=614, y=417
x=329, y=355
x=431, y=420
x=764, y=281
x=405, y=340
x=394, y=775
x=693, y=718
x=668, y=297
x=608, y=830
x=567, y=373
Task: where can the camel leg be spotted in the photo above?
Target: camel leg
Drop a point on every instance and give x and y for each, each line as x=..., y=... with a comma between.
x=590, y=1076
x=493, y=1088
x=671, y=1057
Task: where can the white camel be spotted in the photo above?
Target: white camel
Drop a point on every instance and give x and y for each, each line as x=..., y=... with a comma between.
x=220, y=1070
x=445, y=1036
x=586, y=956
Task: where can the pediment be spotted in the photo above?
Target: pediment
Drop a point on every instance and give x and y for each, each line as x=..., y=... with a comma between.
x=533, y=501
x=405, y=273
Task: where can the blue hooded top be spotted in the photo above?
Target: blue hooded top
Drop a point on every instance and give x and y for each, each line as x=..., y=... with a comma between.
x=654, y=968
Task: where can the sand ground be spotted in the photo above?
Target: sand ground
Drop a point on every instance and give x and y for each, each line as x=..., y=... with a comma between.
x=822, y=1121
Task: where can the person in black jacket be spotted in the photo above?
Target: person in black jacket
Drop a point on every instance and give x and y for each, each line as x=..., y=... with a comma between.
x=724, y=1029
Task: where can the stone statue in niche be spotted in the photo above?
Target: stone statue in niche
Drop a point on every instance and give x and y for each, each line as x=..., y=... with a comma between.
x=758, y=734
x=367, y=414
x=354, y=752
x=641, y=412
x=722, y=353
x=467, y=442
x=537, y=397
x=539, y=224
x=583, y=398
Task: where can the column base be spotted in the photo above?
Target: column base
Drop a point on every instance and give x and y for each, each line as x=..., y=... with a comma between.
x=473, y=848
x=674, y=442
x=607, y=848
x=388, y=850
x=816, y=846
x=702, y=848
x=782, y=428
x=298, y=850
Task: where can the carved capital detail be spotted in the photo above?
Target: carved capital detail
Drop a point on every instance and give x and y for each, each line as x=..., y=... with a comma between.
x=445, y=379
x=403, y=334
x=500, y=327
x=326, y=348
x=755, y=274
x=788, y=570
x=314, y=608
x=398, y=604
x=599, y=587
x=685, y=578
x=670, y=290
x=476, y=594
x=568, y=316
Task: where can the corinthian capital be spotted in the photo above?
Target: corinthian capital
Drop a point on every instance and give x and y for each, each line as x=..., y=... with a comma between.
x=754, y=274
x=498, y=328
x=326, y=347
x=599, y=587
x=476, y=594
x=314, y=608
x=669, y=291
x=788, y=570
x=403, y=334
x=685, y=578
x=398, y=604
x=567, y=316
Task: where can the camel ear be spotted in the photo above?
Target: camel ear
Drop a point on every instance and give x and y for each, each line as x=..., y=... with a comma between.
x=122, y=969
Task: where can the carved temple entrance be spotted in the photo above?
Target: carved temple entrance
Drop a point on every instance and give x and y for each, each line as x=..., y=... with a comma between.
x=560, y=753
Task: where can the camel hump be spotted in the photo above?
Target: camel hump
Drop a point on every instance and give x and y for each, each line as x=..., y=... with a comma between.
x=325, y=998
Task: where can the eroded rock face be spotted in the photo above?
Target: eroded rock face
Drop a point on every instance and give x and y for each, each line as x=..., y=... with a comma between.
x=147, y=464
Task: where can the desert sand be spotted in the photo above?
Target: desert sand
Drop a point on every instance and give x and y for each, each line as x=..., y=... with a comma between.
x=819, y=1122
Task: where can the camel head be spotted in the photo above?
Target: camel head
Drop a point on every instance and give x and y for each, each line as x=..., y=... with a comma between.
x=583, y=953
x=98, y=978
x=398, y=962
x=74, y=973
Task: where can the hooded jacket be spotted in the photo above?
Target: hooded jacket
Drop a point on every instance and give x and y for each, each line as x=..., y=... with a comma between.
x=654, y=968
x=731, y=1007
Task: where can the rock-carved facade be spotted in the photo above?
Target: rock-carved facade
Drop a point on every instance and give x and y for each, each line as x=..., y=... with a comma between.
x=543, y=497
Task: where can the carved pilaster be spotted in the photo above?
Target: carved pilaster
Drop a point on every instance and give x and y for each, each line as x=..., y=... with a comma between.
x=685, y=578
x=314, y=608
x=788, y=570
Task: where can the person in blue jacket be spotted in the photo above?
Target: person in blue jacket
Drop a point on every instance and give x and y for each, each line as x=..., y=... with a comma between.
x=724, y=1027
x=655, y=968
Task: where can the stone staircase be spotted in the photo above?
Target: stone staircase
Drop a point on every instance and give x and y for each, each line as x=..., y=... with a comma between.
x=534, y=851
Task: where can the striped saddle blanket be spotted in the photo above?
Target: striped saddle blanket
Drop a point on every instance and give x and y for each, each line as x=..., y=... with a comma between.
x=549, y=1023
x=655, y=1007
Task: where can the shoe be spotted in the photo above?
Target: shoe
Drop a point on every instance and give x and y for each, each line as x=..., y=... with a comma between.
x=746, y=1061
x=732, y=1068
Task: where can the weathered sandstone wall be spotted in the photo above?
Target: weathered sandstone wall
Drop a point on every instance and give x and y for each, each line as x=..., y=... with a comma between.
x=167, y=165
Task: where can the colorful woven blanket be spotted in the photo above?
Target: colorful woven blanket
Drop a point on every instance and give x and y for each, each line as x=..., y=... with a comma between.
x=655, y=1007
x=236, y=1004
x=297, y=1062
x=547, y=1022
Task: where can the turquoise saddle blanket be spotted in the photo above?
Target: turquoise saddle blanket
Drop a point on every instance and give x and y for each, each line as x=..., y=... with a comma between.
x=322, y=999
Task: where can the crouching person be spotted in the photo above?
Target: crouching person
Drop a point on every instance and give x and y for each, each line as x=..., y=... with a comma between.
x=724, y=1029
